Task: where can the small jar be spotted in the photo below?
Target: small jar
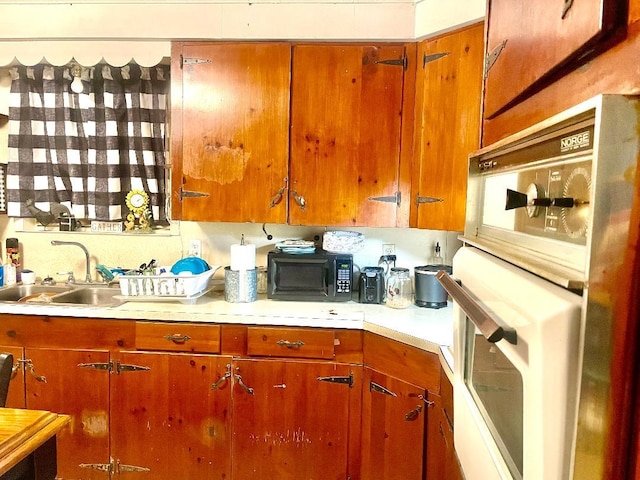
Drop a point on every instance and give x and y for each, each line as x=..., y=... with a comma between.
x=399, y=294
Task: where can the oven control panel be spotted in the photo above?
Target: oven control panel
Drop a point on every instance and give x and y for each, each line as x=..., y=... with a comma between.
x=555, y=201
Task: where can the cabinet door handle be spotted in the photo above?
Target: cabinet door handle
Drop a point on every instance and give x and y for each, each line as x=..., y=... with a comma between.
x=218, y=383
x=177, y=338
x=413, y=414
x=290, y=345
x=32, y=370
x=302, y=203
x=247, y=389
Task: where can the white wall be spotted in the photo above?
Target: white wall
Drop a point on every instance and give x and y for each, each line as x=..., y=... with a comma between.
x=437, y=16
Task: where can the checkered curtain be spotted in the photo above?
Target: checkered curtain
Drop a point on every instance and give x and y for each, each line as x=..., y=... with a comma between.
x=86, y=151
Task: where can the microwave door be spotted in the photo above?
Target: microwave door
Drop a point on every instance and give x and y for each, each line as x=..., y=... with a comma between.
x=307, y=278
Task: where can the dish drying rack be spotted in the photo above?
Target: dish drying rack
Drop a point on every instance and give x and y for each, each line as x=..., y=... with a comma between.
x=165, y=287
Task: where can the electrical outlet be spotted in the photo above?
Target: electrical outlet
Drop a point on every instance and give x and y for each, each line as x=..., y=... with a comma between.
x=195, y=248
x=388, y=249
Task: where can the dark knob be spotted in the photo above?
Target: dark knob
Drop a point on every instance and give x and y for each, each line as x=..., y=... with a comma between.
x=518, y=200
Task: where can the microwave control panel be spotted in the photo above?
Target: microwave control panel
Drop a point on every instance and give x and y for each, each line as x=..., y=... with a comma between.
x=344, y=270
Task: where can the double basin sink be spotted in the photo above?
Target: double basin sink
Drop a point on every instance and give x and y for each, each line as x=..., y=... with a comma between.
x=79, y=294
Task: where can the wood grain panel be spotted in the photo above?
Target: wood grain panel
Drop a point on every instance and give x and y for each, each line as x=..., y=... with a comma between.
x=66, y=332
x=234, y=124
x=178, y=337
x=541, y=41
x=450, y=115
x=402, y=361
x=168, y=418
x=291, y=342
x=388, y=435
x=80, y=392
x=614, y=71
x=292, y=426
x=16, y=394
x=346, y=119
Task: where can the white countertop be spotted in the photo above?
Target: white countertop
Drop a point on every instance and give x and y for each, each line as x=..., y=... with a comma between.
x=424, y=328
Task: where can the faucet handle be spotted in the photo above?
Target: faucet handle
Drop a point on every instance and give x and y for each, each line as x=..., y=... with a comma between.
x=70, y=278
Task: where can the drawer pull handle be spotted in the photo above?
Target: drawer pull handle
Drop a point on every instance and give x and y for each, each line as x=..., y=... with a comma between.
x=288, y=344
x=177, y=338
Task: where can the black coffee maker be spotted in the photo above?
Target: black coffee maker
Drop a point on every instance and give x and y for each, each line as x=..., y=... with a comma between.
x=371, y=285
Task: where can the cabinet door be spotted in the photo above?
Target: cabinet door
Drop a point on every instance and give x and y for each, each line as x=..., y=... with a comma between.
x=449, y=99
x=393, y=423
x=168, y=419
x=73, y=382
x=16, y=394
x=530, y=43
x=230, y=131
x=346, y=119
x=290, y=421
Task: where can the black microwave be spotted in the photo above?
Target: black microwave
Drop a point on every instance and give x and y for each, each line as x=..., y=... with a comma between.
x=311, y=277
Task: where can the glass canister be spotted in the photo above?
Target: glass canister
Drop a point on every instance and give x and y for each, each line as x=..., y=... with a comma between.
x=399, y=293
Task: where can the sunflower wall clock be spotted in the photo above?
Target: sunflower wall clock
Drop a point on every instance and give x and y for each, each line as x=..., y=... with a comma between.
x=139, y=216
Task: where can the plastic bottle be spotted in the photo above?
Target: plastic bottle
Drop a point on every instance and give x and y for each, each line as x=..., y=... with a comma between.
x=13, y=258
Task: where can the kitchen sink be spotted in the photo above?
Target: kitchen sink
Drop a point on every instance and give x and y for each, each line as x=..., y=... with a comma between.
x=96, y=296
x=82, y=295
x=15, y=293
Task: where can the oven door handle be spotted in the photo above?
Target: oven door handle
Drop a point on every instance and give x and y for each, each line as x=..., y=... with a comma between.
x=480, y=317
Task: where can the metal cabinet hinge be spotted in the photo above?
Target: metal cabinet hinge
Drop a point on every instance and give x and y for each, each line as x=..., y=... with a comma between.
x=122, y=467
x=493, y=56
x=375, y=387
x=420, y=199
x=191, y=194
x=344, y=380
x=433, y=57
x=398, y=62
x=125, y=367
x=192, y=61
x=101, y=467
x=118, y=368
x=397, y=199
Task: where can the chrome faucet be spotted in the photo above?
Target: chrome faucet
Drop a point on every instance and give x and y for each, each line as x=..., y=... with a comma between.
x=86, y=254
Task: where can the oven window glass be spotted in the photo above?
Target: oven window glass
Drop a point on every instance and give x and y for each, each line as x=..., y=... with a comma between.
x=496, y=386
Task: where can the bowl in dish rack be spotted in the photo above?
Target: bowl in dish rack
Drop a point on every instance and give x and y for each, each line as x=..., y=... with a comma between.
x=193, y=265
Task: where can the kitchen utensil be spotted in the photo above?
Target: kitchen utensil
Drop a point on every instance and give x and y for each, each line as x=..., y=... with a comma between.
x=429, y=292
x=371, y=285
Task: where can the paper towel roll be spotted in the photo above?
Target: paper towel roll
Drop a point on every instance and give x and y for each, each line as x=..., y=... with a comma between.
x=243, y=257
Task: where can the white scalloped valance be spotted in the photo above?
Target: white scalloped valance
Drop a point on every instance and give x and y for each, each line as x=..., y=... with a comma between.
x=87, y=53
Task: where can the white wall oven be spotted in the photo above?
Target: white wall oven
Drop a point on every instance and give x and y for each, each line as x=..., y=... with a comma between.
x=547, y=222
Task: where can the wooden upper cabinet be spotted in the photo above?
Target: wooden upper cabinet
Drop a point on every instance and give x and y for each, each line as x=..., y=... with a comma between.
x=531, y=43
x=346, y=129
x=230, y=121
x=448, y=120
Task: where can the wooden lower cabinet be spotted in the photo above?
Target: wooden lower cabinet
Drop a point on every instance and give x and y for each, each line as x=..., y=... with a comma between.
x=154, y=402
x=393, y=428
x=15, y=396
x=291, y=418
x=171, y=416
x=61, y=381
x=441, y=459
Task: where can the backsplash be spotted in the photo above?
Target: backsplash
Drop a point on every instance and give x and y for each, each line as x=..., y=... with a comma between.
x=413, y=246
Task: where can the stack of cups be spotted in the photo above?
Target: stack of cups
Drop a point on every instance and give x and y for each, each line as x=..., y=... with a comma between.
x=241, y=277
